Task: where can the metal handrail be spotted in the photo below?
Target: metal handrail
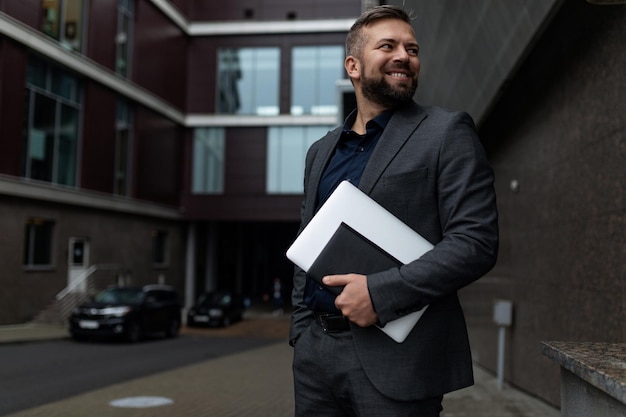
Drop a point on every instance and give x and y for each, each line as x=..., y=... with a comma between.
x=77, y=282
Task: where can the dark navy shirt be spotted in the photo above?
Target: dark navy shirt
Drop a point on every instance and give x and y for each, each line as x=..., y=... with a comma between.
x=352, y=153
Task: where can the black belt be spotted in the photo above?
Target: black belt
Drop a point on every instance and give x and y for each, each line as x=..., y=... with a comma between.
x=332, y=323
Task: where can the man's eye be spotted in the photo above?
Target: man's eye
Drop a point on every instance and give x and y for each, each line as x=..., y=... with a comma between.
x=413, y=51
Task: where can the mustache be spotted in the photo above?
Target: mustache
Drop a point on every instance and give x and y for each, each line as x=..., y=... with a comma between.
x=400, y=66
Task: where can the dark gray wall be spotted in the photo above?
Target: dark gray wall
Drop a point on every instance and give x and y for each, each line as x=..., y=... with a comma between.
x=470, y=48
x=560, y=131
x=557, y=127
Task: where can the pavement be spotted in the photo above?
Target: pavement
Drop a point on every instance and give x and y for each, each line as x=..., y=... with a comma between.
x=253, y=383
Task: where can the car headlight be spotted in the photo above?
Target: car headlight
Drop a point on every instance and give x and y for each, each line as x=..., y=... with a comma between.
x=115, y=311
x=215, y=312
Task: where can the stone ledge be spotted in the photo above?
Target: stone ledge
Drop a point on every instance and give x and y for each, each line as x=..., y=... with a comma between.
x=602, y=365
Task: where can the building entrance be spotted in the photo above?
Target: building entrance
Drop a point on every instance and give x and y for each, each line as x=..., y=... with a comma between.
x=78, y=263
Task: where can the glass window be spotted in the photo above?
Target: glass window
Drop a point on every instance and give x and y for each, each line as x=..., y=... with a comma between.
x=77, y=257
x=51, y=125
x=208, y=161
x=64, y=85
x=38, y=242
x=63, y=21
x=287, y=147
x=159, y=247
x=314, y=74
x=123, y=140
x=125, y=15
x=248, y=81
x=67, y=146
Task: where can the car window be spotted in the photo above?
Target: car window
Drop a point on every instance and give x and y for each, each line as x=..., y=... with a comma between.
x=163, y=295
x=131, y=296
x=215, y=299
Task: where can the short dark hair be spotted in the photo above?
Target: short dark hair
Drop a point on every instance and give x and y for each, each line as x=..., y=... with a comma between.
x=354, y=40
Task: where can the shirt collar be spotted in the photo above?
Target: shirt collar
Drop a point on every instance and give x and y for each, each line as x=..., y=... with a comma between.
x=381, y=121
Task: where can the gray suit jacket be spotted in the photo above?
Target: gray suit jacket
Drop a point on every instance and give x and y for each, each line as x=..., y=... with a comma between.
x=430, y=170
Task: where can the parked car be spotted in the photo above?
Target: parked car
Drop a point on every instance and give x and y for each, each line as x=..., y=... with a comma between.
x=131, y=313
x=220, y=308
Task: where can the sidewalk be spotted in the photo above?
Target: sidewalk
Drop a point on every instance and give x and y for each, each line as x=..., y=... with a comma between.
x=255, y=383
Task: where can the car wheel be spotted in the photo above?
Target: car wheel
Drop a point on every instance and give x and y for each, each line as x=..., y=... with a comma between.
x=226, y=321
x=133, y=332
x=173, y=328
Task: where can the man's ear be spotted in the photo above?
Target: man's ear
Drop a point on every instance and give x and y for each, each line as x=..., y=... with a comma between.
x=353, y=67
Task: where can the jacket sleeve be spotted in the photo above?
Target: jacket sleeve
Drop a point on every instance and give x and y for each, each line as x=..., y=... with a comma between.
x=464, y=203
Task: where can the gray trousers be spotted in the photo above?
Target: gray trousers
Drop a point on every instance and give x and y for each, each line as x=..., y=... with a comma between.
x=330, y=382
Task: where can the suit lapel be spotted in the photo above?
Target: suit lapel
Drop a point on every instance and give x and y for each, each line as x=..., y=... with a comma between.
x=400, y=127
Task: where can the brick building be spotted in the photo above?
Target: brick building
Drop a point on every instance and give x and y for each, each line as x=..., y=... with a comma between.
x=149, y=141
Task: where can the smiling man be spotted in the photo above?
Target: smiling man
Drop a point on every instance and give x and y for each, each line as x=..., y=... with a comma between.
x=425, y=165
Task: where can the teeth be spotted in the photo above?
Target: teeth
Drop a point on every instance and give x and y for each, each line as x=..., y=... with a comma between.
x=398, y=74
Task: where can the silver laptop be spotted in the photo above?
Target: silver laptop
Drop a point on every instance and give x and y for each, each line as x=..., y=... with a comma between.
x=373, y=222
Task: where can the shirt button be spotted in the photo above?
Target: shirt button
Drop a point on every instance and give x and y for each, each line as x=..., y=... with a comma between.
x=361, y=149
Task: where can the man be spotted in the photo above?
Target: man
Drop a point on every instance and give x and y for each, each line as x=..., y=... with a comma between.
x=426, y=166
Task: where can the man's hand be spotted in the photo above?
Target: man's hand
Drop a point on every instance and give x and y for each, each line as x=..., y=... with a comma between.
x=354, y=301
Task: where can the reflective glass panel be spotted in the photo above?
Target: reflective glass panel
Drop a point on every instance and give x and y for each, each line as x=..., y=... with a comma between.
x=41, y=138
x=63, y=20
x=51, y=16
x=68, y=135
x=123, y=130
x=286, y=152
x=248, y=81
x=73, y=24
x=314, y=75
x=208, y=161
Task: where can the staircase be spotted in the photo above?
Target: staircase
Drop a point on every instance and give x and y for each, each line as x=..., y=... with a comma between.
x=91, y=282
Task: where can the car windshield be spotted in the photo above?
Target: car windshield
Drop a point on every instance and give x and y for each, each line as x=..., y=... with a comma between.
x=120, y=296
x=213, y=299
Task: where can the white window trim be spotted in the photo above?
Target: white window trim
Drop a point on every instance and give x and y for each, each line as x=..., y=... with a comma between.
x=245, y=28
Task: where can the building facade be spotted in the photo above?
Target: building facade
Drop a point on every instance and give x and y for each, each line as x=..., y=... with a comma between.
x=146, y=141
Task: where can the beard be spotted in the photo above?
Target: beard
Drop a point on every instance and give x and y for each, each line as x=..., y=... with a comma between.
x=381, y=92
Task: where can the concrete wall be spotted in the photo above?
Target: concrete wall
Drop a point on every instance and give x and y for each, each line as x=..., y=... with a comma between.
x=116, y=239
x=559, y=131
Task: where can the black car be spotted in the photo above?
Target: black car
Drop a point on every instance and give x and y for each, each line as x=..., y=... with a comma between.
x=221, y=308
x=131, y=313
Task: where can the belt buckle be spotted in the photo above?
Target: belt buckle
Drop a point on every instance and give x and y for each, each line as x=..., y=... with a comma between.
x=326, y=325
x=325, y=328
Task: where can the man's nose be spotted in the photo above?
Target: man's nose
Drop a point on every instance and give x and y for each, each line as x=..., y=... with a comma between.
x=402, y=55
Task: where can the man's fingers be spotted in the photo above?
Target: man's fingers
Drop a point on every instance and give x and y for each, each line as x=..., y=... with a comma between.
x=335, y=280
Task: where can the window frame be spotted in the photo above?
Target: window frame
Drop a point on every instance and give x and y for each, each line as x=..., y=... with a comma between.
x=64, y=91
x=64, y=29
x=32, y=243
